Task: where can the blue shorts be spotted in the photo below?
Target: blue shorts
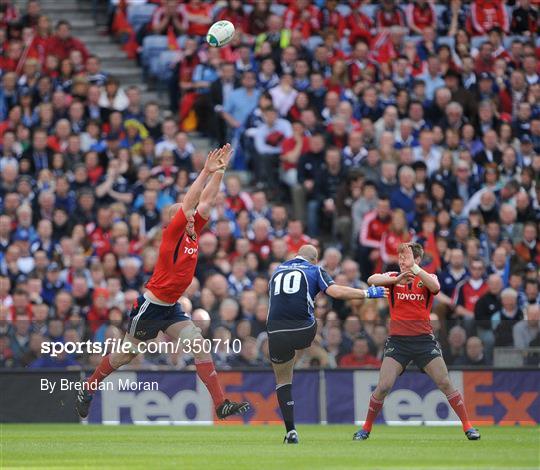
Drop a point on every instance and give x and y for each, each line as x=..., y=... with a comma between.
x=283, y=344
x=147, y=319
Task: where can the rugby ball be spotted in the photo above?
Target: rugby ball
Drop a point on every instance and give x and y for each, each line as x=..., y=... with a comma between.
x=220, y=33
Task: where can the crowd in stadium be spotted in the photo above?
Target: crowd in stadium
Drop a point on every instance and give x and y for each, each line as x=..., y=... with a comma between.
x=355, y=132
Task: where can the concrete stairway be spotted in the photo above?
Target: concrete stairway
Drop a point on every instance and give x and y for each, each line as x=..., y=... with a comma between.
x=90, y=27
x=92, y=31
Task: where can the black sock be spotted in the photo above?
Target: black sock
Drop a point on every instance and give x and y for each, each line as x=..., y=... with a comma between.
x=286, y=404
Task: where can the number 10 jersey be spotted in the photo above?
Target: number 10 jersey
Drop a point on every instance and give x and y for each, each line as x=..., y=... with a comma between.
x=292, y=290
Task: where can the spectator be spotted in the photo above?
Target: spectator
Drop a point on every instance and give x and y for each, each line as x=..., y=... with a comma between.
x=467, y=293
x=457, y=338
x=360, y=356
x=113, y=98
x=503, y=321
x=169, y=16
x=267, y=139
x=486, y=15
x=402, y=197
x=198, y=16
x=524, y=19
x=220, y=90
x=62, y=43
x=474, y=353
x=421, y=15
x=527, y=330
x=389, y=14
x=324, y=191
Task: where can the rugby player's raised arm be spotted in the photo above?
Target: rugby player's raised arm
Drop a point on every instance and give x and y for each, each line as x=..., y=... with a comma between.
x=388, y=280
x=213, y=163
x=430, y=281
x=349, y=293
x=209, y=193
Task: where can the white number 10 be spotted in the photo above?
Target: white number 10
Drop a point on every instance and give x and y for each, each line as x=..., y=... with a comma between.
x=291, y=282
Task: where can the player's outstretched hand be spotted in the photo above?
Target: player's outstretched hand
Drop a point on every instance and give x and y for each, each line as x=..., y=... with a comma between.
x=404, y=278
x=406, y=249
x=226, y=154
x=215, y=160
x=376, y=292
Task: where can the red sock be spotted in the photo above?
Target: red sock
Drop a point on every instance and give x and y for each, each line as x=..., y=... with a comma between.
x=456, y=402
x=207, y=373
x=103, y=370
x=373, y=410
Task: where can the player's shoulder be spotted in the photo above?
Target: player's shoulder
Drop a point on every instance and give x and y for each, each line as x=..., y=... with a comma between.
x=299, y=263
x=320, y=271
x=294, y=263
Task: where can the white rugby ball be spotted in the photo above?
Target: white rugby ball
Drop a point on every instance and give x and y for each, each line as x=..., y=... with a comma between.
x=220, y=33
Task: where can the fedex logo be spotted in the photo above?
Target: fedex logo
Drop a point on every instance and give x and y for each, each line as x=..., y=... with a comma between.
x=156, y=406
x=502, y=397
x=187, y=405
x=506, y=398
x=415, y=400
x=264, y=409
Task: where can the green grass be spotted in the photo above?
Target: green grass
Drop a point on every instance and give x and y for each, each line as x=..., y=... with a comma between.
x=260, y=447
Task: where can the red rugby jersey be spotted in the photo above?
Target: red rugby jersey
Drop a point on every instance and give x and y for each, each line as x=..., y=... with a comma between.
x=177, y=259
x=410, y=306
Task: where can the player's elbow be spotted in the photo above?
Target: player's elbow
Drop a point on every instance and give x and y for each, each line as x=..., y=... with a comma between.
x=204, y=209
x=372, y=279
x=334, y=291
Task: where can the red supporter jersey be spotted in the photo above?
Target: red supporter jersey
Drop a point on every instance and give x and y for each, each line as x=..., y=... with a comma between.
x=373, y=229
x=410, y=306
x=350, y=360
x=196, y=28
x=294, y=245
x=421, y=17
x=466, y=295
x=177, y=259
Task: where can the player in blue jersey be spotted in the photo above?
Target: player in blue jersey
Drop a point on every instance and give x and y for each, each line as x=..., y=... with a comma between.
x=291, y=323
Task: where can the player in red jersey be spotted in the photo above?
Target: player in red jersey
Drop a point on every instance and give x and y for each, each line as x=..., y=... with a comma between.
x=157, y=309
x=411, y=336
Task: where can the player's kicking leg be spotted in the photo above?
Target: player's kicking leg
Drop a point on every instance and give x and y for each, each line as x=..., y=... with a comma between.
x=188, y=333
x=107, y=366
x=284, y=375
x=438, y=372
x=390, y=371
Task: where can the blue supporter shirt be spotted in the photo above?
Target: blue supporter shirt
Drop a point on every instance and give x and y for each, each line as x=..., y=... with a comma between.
x=292, y=290
x=240, y=104
x=204, y=73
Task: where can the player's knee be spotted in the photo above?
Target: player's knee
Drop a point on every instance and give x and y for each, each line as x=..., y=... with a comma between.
x=383, y=388
x=444, y=383
x=191, y=336
x=121, y=359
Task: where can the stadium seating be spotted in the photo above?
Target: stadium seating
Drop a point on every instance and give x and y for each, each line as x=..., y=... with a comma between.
x=139, y=15
x=152, y=47
x=427, y=151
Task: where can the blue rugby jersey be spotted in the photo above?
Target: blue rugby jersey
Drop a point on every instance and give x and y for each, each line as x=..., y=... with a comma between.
x=292, y=290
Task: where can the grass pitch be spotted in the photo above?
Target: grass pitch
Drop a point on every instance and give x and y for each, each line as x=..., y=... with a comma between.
x=260, y=447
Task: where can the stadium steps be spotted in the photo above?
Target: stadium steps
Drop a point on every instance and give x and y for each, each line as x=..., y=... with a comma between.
x=89, y=27
x=91, y=30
